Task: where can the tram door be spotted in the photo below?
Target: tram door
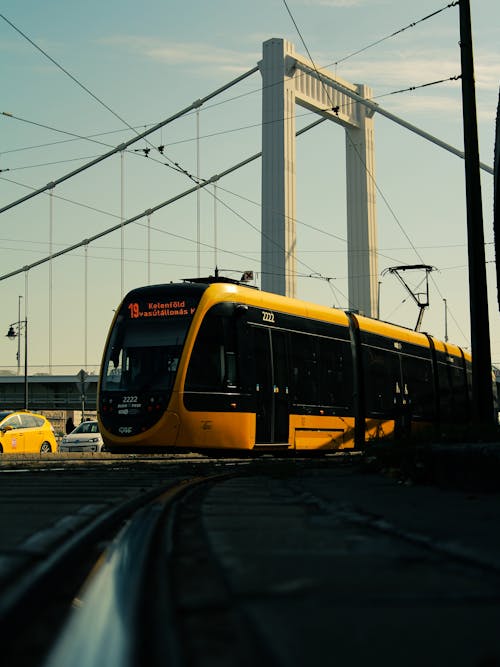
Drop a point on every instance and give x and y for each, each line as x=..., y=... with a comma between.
x=271, y=386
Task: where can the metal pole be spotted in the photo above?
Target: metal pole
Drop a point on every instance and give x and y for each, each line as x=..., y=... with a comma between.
x=496, y=198
x=122, y=218
x=445, y=321
x=482, y=388
x=19, y=336
x=198, y=256
x=149, y=250
x=85, y=307
x=26, y=363
x=51, y=226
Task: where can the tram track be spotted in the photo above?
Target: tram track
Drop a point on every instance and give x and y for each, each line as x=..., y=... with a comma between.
x=40, y=575
x=146, y=603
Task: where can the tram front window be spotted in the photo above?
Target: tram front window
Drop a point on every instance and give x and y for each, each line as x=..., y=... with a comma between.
x=143, y=368
x=142, y=357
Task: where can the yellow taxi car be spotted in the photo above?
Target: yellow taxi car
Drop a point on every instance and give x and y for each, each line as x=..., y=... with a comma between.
x=26, y=433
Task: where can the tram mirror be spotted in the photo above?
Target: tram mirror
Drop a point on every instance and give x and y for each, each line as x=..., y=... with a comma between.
x=241, y=309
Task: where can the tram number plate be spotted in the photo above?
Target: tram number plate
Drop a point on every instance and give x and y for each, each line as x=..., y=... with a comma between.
x=128, y=403
x=267, y=316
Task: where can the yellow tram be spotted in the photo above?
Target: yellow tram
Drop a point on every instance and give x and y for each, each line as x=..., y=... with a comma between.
x=210, y=364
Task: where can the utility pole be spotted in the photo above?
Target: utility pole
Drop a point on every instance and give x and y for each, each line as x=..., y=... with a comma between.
x=482, y=387
x=496, y=198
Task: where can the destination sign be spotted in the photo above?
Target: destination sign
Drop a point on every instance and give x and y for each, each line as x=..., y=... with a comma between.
x=166, y=309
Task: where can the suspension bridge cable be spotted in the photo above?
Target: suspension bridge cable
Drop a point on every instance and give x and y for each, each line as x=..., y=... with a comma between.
x=149, y=211
x=189, y=139
x=375, y=108
x=73, y=78
x=90, y=137
x=128, y=143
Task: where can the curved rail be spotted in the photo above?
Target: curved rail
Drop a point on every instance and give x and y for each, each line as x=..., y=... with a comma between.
x=124, y=615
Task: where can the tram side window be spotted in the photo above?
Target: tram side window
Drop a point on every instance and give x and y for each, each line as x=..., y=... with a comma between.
x=418, y=386
x=335, y=373
x=382, y=379
x=304, y=369
x=213, y=366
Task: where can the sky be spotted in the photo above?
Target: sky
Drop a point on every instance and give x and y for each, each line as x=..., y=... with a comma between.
x=81, y=78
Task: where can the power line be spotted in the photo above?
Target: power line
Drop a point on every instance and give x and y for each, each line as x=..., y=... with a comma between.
x=393, y=34
x=62, y=141
x=422, y=85
x=73, y=78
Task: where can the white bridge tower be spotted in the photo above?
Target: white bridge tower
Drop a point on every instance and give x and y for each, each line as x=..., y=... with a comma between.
x=289, y=79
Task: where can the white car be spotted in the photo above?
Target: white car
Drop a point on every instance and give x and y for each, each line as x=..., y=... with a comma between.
x=85, y=438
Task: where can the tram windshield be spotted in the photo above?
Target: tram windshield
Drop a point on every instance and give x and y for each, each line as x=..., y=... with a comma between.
x=143, y=355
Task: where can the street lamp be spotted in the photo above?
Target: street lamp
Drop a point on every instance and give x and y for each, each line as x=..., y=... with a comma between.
x=15, y=330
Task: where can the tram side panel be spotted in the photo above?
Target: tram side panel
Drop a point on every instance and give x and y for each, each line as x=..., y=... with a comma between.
x=410, y=386
x=262, y=378
x=398, y=387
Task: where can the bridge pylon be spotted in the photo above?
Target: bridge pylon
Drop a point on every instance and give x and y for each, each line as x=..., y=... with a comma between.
x=289, y=79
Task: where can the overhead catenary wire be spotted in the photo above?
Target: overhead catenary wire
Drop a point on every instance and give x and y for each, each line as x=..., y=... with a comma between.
x=73, y=78
x=235, y=194
x=413, y=24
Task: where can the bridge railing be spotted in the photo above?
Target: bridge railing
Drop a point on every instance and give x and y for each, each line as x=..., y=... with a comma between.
x=49, y=392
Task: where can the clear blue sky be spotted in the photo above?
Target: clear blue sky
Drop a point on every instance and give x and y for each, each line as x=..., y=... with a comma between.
x=146, y=62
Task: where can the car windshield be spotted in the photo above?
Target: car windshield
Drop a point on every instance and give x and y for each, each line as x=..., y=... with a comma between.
x=87, y=427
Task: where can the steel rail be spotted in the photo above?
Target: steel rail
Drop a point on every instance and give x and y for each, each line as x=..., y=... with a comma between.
x=39, y=581
x=127, y=594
